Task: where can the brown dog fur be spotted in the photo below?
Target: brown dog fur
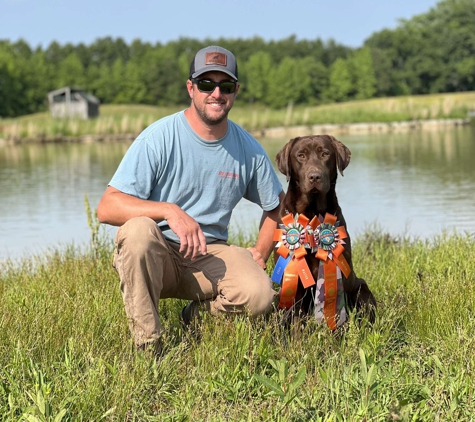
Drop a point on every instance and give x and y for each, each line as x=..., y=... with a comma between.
x=311, y=164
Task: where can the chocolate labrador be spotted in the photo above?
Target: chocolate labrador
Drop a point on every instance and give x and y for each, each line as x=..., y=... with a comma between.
x=311, y=164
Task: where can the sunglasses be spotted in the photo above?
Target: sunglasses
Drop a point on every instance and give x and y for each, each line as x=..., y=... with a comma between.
x=205, y=85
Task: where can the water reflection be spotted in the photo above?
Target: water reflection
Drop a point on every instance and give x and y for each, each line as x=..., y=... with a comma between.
x=418, y=183
x=444, y=153
x=43, y=192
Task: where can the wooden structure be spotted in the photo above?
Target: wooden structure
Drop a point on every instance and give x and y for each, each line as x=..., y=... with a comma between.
x=73, y=102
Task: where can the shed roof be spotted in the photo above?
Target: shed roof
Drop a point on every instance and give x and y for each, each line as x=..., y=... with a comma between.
x=73, y=91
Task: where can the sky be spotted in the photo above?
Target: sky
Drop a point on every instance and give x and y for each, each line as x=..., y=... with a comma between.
x=40, y=22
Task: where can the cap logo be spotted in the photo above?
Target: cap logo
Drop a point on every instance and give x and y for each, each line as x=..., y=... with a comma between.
x=216, y=58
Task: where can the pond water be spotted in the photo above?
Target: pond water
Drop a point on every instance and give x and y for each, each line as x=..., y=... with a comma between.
x=417, y=184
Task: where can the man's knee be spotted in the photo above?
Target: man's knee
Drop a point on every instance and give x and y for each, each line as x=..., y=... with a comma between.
x=256, y=286
x=139, y=233
x=135, y=228
x=255, y=294
x=261, y=298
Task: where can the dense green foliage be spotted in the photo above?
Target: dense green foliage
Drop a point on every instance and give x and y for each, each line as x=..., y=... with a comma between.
x=66, y=354
x=433, y=52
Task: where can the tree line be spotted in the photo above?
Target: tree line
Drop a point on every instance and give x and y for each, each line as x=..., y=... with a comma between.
x=430, y=53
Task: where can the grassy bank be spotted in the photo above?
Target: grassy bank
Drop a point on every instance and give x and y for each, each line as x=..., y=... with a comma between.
x=65, y=351
x=131, y=119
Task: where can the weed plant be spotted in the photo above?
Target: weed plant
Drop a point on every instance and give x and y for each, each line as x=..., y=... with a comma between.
x=66, y=353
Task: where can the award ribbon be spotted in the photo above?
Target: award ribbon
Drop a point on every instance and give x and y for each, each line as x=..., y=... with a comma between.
x=291, y=240
x=328, y=240
x=325, y=238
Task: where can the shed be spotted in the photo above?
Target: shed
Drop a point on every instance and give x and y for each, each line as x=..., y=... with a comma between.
x=73, y=102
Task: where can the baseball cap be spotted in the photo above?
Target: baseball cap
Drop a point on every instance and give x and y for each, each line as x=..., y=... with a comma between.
x=214, y=58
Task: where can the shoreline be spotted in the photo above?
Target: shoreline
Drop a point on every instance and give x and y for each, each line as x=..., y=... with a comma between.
x=358, y=128
x=86, y=139
x=274, y=132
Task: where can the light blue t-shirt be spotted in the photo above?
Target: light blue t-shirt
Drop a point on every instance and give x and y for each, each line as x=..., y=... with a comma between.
x=168, y=162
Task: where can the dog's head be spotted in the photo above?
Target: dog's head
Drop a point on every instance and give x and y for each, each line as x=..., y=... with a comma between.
x=311, y=162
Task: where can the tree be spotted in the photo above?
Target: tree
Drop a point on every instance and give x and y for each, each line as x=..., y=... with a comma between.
x=107, y=50
x=318, y=75
x=54, y=54
x=340, y=85
x=334, y=51
x=256, y=77
x=164, y=76
x=289, y=83
x=362, y=74
x=105, y=87
x=431, y=52
x=116, y=81
x=132, y=88
x=10, y=84
x=24, y=80
x=38, y=81
x=70, y=72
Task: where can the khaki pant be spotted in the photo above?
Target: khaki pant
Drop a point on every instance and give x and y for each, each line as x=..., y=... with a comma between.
x=226, y=280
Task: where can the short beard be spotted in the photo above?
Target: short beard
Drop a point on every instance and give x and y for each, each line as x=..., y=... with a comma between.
x=209, y=121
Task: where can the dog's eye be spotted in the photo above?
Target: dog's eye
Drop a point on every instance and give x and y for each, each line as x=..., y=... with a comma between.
x=325, y=153
x=301, y=155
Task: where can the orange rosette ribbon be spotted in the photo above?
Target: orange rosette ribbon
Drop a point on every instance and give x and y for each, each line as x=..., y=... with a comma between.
x=292, y=239
x=328, y=239
x=325, y=238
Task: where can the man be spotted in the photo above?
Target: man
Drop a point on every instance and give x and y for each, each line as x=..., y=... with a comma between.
x=172, y=196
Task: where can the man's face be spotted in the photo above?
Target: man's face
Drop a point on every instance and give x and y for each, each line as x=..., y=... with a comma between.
x=212, y=107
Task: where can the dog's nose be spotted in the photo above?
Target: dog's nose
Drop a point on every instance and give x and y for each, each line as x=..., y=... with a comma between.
x=314, y=177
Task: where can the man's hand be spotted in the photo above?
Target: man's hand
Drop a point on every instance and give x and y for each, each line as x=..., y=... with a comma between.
x=257, y=256
x=116, y=208
x=192, y=239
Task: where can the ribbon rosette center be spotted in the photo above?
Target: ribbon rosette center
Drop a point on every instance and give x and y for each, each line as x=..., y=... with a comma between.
x=327, y=238
x=293, y=237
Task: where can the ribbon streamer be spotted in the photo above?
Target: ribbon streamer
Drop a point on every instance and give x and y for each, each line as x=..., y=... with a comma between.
x=325, y=238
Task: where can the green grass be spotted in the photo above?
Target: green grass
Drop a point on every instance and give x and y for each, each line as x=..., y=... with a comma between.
x=132, y=119
x=395, y=109
x=113, y=120
x=66, y=354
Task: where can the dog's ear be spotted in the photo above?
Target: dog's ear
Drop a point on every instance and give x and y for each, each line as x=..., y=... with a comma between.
x=343, y=154
x=283, y=158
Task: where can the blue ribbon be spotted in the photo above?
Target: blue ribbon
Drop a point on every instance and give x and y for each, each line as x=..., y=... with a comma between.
x=279, y=269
